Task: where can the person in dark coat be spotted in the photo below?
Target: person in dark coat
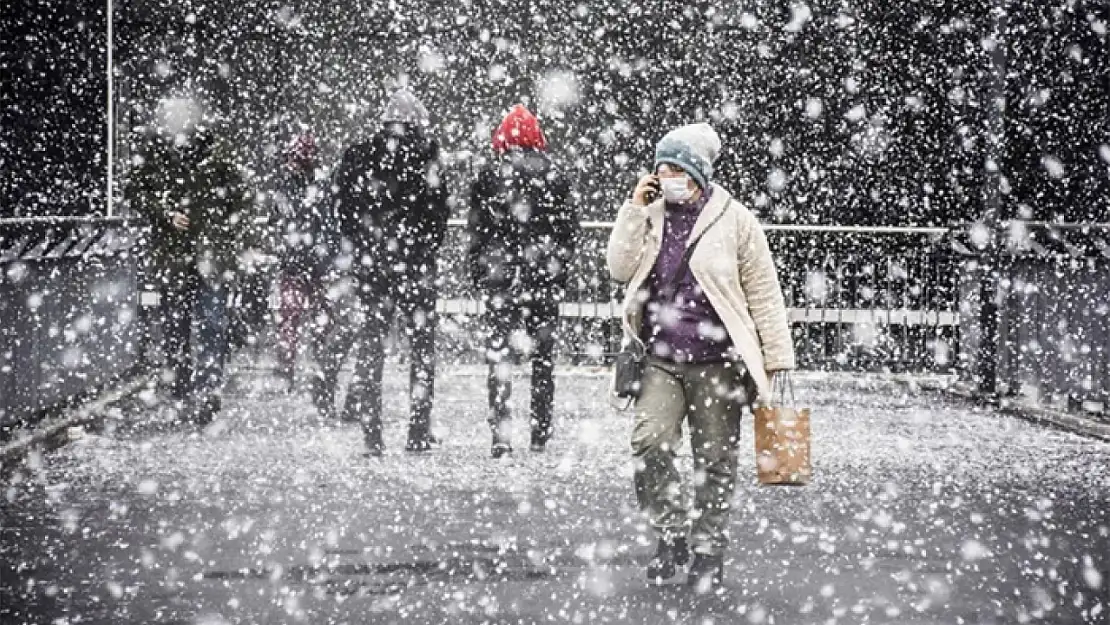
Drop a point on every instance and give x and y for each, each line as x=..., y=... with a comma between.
x=197, y=204
x=522, y=227
x=392, y=210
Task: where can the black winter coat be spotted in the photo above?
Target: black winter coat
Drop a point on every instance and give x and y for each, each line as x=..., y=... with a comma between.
x=203, y=182
x=522, y=227
x=303, y=234
x=391, y=206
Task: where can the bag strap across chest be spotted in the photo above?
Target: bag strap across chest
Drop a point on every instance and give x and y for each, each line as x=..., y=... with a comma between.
x=688, y=253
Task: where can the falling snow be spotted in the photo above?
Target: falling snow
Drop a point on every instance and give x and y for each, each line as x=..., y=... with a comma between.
x=318, y=189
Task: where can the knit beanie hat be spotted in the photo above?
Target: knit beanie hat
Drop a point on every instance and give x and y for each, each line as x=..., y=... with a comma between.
x=694, y=148
x=519, y=129
x=405, y=108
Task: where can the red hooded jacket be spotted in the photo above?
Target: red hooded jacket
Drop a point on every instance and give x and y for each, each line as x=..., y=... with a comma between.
x=519, y=129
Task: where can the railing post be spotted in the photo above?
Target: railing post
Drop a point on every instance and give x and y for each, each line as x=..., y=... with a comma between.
x=988, y=348
x=990, y=278
x=111, y=140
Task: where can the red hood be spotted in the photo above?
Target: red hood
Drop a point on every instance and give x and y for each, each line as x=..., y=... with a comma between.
x=519, y=129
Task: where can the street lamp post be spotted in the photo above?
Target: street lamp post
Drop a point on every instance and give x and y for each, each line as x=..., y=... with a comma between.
x=110, y=197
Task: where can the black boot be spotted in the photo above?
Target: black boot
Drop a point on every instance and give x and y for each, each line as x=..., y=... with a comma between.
x=501, y=447
x=669, y=555
x=501, y=441
x=502, y=437
x=352, y=411
x=706, y=573
x=372, y=436
x=420, y=440
x=540, y=436
x=375, y=448
x=206, y=409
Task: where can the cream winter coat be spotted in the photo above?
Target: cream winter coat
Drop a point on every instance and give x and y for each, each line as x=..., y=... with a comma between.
x=732, y=264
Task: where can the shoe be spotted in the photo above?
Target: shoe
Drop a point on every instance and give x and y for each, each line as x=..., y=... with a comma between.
x=375, y=448
x=706, y=573
x=206, y=410
x=669, y=555
x=422, y=442
x=500, y=449
x=539, y=442
x=501, y=437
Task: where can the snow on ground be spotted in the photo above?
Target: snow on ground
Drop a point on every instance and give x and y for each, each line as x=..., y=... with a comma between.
x=923, y=509
x=867, y=426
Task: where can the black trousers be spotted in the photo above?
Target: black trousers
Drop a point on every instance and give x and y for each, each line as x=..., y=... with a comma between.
x=178, y=303
x=416, y=311
x=252, y=313
x=194, y=328
x=539, y=320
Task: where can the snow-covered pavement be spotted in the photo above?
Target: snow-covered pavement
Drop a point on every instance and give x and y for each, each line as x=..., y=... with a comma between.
x=923, y=510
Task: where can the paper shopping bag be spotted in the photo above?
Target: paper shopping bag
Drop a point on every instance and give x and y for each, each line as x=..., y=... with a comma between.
x=782, y=444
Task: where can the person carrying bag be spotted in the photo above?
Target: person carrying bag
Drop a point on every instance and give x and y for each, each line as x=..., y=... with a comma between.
x=706, y=329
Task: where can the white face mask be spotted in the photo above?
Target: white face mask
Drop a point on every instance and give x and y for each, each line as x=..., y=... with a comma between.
x=676, y=190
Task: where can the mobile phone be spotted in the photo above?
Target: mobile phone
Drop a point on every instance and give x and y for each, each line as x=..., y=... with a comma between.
x=653, y=192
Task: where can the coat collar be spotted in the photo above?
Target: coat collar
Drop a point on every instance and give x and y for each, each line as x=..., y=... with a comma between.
x=717, y=203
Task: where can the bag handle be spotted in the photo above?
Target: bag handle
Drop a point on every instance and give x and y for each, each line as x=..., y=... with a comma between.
x=783, y=383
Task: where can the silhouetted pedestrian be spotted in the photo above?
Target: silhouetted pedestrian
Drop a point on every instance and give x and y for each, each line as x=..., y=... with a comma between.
x=302, y=245
x=191, y=191
x=392, y=210
x=522, y=227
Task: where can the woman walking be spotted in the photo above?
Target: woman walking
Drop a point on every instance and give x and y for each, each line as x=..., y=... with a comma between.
x=714, y=329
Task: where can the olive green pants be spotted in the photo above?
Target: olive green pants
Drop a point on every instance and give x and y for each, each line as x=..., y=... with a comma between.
x=711, y=396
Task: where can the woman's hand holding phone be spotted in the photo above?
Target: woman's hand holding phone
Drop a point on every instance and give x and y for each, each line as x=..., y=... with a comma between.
x=647, y=190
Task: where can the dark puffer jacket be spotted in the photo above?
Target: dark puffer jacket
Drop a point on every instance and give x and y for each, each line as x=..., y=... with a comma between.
x=391, y=205
x=202, y=181
x=522, y=228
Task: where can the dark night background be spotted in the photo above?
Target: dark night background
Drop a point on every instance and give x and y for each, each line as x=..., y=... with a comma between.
x=902, y=92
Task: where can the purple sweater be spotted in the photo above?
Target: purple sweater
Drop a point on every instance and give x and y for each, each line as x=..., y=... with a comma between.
x=684, y=328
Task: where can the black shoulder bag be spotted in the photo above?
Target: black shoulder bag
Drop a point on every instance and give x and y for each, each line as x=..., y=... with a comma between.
x=628, y=368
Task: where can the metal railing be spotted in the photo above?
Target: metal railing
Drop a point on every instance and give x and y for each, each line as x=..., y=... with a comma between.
x=1035, y=314
x=68, y=315
x=30, y=239
x=859, y=297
